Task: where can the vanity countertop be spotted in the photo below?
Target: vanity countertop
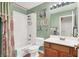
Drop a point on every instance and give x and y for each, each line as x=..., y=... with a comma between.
x=69, y=41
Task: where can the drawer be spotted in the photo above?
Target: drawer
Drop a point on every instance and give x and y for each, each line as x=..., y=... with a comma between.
x=46, y=44
x=59, y=47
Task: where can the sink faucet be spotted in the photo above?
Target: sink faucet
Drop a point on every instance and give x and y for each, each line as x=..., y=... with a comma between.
x=62, y=38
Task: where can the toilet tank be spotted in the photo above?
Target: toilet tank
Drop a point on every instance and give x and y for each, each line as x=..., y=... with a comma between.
x=40, y=41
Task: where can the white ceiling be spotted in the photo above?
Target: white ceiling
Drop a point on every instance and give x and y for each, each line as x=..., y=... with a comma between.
x=28, y=5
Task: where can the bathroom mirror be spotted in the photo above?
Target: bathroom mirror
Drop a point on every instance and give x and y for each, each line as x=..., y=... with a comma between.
x=66, y=25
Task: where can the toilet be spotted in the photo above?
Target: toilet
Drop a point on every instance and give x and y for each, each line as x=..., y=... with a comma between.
x=34, y=49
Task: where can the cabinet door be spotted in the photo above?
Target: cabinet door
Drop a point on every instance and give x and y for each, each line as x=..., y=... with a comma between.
x=50, y=52
x=73, y=52
x=63, y=54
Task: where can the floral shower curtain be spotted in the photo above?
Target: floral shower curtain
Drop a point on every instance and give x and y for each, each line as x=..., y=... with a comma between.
x=7, y=31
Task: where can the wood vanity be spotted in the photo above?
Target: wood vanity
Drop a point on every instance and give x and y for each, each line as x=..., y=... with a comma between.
x=58, y=50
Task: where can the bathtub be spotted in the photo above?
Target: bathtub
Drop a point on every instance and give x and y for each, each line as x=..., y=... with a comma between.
x=20, y=52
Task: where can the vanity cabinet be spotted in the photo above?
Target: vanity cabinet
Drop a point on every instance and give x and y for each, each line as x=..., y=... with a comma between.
x=57, y=50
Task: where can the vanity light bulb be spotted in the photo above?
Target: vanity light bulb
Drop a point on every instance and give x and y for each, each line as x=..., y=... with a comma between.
x=51, y=7
x=54, y=4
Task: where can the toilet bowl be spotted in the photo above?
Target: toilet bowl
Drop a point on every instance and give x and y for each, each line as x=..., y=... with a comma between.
x=34, y=49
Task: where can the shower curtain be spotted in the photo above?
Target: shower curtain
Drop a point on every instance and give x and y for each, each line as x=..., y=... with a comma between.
x=7, y=31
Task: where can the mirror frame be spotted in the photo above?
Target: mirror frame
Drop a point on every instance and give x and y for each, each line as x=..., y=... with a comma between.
x=72, y=15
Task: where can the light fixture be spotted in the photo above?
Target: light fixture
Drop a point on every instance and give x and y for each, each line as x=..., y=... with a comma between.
x=51, y=6
x=54, y=6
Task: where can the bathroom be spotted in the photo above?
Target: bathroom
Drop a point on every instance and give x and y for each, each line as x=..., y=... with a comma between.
x=39, y=29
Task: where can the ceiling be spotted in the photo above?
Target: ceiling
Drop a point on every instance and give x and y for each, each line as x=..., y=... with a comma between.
x=28, y=5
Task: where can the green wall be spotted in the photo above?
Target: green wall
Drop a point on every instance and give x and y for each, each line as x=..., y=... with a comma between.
x=45, y=29
x=42, y=31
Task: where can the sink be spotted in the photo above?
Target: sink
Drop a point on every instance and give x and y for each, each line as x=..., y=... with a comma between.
x=68, y=41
